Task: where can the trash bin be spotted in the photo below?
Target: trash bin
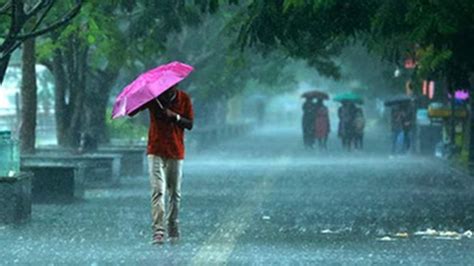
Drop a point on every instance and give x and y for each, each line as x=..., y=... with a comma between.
x=9, y=154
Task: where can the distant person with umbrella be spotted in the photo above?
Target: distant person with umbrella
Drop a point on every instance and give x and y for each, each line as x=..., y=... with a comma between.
x=171, y=112
x=402, y=122
x=346, y=114
x=359, y=126
x=323, y=126
x=407, y=125
x=346, y=128
x=396, y=122
x=309, y=116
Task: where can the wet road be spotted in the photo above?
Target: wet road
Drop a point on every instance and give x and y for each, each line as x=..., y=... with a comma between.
x=263, y=200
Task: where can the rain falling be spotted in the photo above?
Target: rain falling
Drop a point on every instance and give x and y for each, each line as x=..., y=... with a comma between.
x=232, y=132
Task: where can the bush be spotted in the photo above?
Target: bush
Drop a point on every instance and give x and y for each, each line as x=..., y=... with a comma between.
x=125, y=128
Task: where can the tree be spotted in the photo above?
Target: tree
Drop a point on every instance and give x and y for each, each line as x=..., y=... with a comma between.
x=440, y=35
x=87, y=57
x=315, y=31
x=24, y=19
x=84, y=60
x=223, y=71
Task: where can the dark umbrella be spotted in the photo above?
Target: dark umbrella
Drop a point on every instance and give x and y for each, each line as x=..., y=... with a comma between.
x=397, y=100
x=316, y=94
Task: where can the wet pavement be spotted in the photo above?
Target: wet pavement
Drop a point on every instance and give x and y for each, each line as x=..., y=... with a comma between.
x=263, y=200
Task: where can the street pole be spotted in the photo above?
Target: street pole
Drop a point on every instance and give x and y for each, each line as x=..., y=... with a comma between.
x=471, y=119
x=453, y=119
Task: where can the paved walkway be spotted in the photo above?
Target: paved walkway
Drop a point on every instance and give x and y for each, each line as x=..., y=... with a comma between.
x=262, y=200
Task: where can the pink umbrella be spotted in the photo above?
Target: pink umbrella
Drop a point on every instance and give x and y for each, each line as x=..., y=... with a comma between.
x=148, y=86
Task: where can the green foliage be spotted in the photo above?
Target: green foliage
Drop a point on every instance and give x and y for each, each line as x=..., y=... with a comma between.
x=440, y=33
x=432, y=60
x=98, y=28
x=45, y=48
x=212, y=6
x=125, y=128
x=288, y=4
x=222, y=71
x=437, y=33
x=312, y=30
x=57, y=12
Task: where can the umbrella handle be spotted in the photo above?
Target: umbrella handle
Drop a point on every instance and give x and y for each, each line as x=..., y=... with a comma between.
x=159, y=103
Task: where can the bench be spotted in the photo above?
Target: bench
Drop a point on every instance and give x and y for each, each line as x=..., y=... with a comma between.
x=99, y=169
x=55, y=181
x=15, y=198
x=134, y=162
x=105, y=170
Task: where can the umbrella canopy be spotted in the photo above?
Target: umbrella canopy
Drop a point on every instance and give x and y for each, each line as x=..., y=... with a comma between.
x=148, y=86
x=315, y=94
x=349, y=97
x=399, y=99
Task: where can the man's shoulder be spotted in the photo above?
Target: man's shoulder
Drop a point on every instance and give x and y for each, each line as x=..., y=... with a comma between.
x=182, y=95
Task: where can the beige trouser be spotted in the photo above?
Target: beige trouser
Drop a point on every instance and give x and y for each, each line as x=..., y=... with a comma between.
x=165, y=174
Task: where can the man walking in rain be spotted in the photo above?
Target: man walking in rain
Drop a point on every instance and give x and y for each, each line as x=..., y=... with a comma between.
x=170, y=114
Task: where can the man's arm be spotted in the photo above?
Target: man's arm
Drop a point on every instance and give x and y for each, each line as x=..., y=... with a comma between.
x=185, y=123
x=145, y=106
x=179, y=120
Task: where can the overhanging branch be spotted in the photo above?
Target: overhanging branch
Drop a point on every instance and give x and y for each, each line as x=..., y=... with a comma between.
x=38, y=7
x=43, y=16
x=20, y=17
x=58, y=24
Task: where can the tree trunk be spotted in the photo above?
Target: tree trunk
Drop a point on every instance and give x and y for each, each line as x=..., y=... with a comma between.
x=97, y=97
x=28, y=98
x=60, y=106
x=69, y=67
x=77, y=68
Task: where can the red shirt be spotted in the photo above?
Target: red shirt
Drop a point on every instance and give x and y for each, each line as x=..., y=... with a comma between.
x=165, y=137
